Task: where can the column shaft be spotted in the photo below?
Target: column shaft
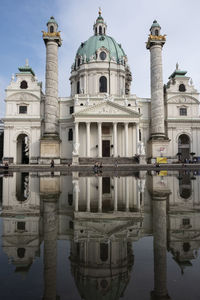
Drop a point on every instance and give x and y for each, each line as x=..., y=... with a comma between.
x=115, y=139
x=99, y=140
x=51, y=89
x=126, y=139
x=88, y=139
x=157, y=98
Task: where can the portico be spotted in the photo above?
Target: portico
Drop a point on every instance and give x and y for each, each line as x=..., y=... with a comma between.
x=106, y=130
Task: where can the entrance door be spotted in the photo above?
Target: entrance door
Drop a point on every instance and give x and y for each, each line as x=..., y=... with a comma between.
x=22, y=149
x=106, y=148
x=184, y=146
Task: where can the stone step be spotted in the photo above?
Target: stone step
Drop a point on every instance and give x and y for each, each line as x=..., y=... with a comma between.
x=107, y=160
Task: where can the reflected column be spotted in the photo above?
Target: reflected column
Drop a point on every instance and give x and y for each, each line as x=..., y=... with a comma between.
x=99, y=194
x=160, y=245
x=88, y=193
x=115, y=194
x=75, y=182
x=49, y=194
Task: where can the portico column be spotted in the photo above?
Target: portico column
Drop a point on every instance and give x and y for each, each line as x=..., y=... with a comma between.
x=115, y=138
x=99, y=194
x=115, y=194
x=126, y=139
x=137, y=137
x=76, y=139
x=88, y=193
x=99, y=140
x=88, y=138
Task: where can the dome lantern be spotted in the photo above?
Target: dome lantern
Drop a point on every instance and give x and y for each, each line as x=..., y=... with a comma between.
x=100, y=26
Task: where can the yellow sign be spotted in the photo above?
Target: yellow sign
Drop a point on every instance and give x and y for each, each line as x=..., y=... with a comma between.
x=161, y=160
x=163, y=173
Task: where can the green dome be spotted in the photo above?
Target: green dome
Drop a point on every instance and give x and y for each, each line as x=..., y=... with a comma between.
x=155, y=24
x=52, y=20
x=95, y=42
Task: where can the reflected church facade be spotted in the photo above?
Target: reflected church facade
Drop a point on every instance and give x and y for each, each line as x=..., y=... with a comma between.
x=100, y=119
x=48, y=208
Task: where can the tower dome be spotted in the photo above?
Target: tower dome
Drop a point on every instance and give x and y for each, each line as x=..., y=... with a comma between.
x=103, y=53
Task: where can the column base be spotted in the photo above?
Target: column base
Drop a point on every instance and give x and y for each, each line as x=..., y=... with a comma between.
x=49, y=149
x=142, y=160
x=157, y=147
x=75, y=160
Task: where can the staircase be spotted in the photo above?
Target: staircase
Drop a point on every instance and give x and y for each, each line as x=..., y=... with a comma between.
x=107, y=160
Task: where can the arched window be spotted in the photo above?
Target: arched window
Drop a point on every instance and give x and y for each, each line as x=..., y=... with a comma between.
x=24, y=85
x=79, y=61
x=21, y=252
x=186, y=247
x=103, y=251
x=78, y=87
x=182, y=88
x=70, y=135
x=103, y=84
x=51, y=29
x=100, y=30
x=96, y=31
x=183, y=139
x=156, y=32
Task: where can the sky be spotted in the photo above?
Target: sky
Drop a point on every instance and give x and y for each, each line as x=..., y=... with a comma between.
x=128, y=23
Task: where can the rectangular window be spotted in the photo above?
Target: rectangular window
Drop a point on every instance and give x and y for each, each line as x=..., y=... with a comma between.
x=23, y=109
x=71, y=109
x=185, y=222
x=183, y=111
x=70, y=135
x=20, y=225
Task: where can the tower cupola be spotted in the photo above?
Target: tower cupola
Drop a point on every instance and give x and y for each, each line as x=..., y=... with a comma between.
x=52, y=25
x=100, y=26
x=155, y=28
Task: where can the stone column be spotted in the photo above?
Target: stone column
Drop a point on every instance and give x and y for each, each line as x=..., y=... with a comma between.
x=126, y=139
x=99, y=140
x=115, y=194
x=160, y=245
x=99, y=194
x=50, y=142
x=88, y=139
x=157, y=97
x=88, y=193
x=115, y=139
x=76, y=144
x=51, y=89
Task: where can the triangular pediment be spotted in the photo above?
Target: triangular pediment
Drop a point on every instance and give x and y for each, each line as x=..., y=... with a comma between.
x=182, y=100
x=108, y=108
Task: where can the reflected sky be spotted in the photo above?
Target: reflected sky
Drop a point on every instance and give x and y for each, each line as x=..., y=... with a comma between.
x=100, y=237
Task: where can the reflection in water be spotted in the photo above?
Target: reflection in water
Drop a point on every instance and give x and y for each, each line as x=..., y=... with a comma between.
x=102, y=217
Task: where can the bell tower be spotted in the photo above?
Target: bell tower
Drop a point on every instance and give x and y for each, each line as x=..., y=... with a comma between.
x=50, y=142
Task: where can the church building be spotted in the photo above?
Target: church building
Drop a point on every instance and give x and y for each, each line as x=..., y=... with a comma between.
x=100, y=120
